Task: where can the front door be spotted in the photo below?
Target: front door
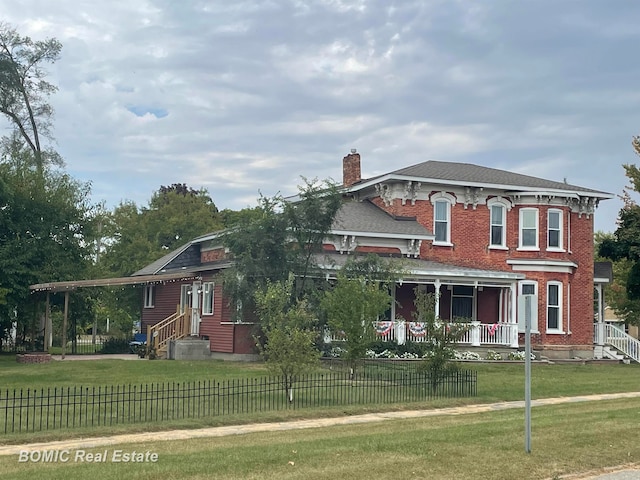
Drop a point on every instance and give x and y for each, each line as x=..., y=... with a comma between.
x=196, y=292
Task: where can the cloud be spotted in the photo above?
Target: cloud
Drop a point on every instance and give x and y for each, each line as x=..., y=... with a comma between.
x=241, y=97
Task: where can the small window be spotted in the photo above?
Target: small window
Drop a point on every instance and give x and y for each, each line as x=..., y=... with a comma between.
x=554, y=307
x=207, y=298
x=554, y=229
x=529, y=228
x=149, y=296
x=528, y=287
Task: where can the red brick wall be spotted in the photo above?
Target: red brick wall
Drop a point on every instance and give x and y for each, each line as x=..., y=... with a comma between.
x=212, y=255
x=351, y=169
x=470, y=238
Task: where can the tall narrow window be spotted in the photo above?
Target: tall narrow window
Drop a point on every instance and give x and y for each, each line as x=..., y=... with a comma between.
x=462, y=302
x=554, y=306
x=207, y=298
x=529, y=228
x=554, y=229
x=497, y=226
x=528, y=287
x=149, y=296
x=441, y=221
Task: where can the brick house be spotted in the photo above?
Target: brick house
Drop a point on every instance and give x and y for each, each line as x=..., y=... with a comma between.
x=477, y=236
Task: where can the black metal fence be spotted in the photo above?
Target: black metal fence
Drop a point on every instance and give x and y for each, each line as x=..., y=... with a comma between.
x=82, y=346
x=24, y=410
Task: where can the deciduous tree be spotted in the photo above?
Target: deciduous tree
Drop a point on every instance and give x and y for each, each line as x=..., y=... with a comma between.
x=288, y=326
x=24, y=90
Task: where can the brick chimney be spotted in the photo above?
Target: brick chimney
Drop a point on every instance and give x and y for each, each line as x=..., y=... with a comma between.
x=351, y=168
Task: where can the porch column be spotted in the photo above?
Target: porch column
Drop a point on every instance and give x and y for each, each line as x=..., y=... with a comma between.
x=512, y=316
x=47, y=324
x=64, y=322
x=475, y=333
x=599, y=340
x=401, y=332
x=437, y=285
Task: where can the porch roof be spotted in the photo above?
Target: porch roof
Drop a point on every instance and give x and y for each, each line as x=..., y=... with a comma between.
x=107, y=282
x=426, y=271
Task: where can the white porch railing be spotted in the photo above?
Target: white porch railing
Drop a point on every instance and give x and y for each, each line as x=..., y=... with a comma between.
x=607, y=334
x=503, y=334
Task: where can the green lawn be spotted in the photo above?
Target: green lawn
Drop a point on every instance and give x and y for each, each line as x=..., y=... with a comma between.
x=567, y=439
x=496, y=382
x=67, y=373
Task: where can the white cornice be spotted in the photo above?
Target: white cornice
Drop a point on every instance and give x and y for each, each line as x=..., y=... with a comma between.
x=512, y=189
x=403, y=236
x=532, y=265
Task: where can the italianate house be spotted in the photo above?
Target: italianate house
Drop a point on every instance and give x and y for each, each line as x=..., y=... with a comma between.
x=479, y=237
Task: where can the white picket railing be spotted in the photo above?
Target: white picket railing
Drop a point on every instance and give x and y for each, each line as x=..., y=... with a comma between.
x=504, y=334
x=607, y=334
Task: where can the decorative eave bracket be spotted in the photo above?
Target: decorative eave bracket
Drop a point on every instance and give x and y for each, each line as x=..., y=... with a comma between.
x=413, y=248
x=471, y=196
x=384, y=190
x=348, y=244
x=411, y=190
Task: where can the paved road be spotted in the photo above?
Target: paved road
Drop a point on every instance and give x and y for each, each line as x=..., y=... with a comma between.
x=85, y=443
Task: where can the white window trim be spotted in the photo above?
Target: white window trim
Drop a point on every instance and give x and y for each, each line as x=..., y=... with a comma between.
x=535, y=328
x=559, y=306
x=473, y=297
x=520, y=227
x=506, y=206
x=560, y=236
x=205, y=291
x=149, y=296
x=450, y=200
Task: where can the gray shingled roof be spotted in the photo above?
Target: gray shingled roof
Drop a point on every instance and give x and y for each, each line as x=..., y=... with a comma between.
x=476, y=174
x=156, y=266
x=367, y=218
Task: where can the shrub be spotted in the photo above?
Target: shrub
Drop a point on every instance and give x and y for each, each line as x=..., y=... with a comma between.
x=116, y=345
x=467, y=356
x=521, y=355
x=493, y=355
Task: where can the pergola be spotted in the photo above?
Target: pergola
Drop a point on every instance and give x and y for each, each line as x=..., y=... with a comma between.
x=68, y=286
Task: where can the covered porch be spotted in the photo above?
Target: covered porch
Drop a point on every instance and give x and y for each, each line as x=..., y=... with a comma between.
x=484, y=300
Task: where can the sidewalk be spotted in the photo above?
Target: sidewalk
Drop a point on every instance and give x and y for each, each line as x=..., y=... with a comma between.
x=94, y=442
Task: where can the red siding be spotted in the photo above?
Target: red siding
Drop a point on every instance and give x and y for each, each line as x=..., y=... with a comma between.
x=167, y=299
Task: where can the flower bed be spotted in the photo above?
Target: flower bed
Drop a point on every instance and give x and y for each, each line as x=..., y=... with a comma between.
x=33, y=357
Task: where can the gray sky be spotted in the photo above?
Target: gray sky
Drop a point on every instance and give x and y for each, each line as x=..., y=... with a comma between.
x=246, y=96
